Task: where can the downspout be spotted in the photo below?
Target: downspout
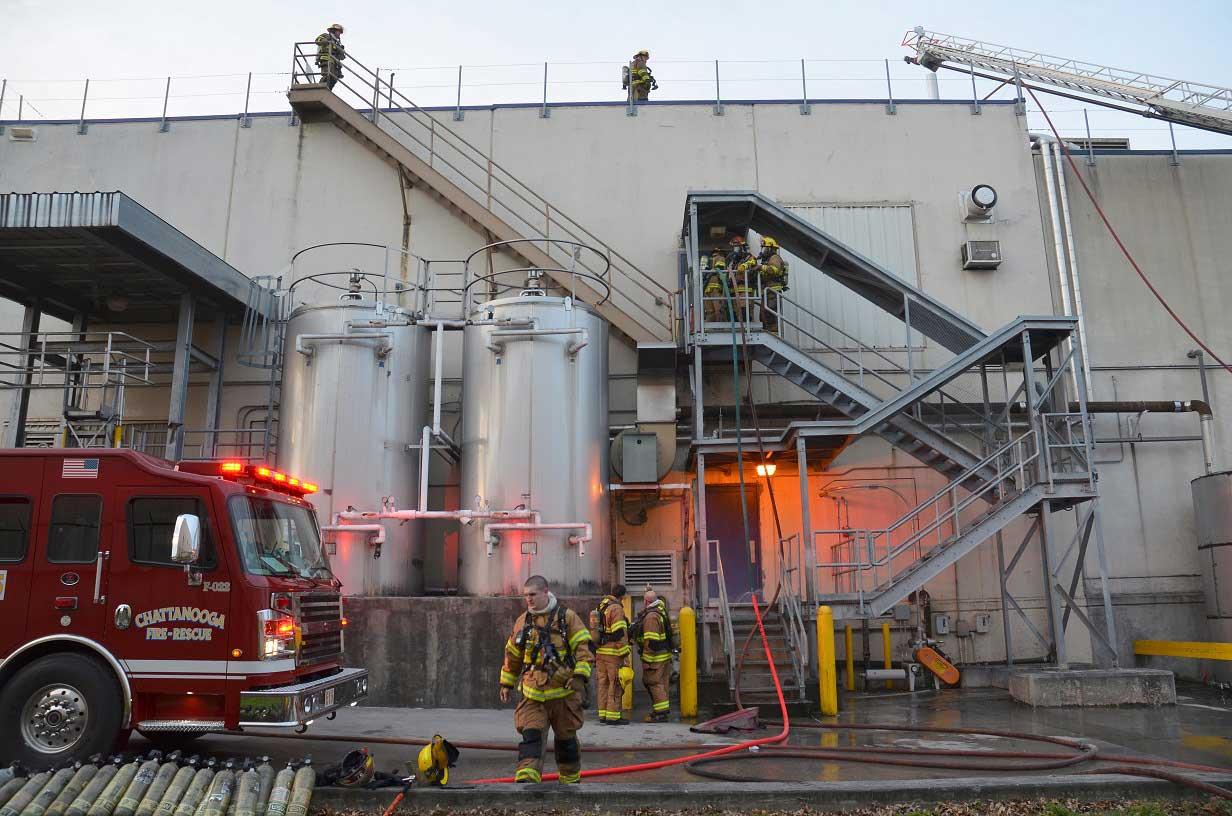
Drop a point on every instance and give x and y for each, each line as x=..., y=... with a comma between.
x=1073, y=269
x=1058, y=244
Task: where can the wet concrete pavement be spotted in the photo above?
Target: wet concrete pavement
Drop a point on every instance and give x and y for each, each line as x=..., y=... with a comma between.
x=1198, y=729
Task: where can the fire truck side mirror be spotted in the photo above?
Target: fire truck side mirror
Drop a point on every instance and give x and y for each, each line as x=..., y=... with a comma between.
x=186, y=539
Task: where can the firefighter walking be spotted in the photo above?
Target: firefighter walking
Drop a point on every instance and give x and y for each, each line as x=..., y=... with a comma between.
x=330, y=54
x=639, y=80
x=549, y=661
x=612, y=653
x=773, y=272
x=654, y=640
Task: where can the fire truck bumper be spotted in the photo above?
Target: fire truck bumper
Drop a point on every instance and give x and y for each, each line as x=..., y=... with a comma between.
x=299, y=704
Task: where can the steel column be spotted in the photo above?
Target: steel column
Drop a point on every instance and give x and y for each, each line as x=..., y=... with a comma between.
x=806, y=522
x=1102, y=561
x=15, y=437
x=1005, y=603
x=179, y=378
x=891, y=108
x=213, y=403
x=1055, y=622
x=162, y=126
x=704, y=592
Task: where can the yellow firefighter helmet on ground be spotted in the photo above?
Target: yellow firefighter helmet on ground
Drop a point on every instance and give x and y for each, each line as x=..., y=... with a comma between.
x=626, y=675
x=435, y=760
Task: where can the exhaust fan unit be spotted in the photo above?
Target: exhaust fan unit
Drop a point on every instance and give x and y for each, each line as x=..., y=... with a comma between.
x=981, y=254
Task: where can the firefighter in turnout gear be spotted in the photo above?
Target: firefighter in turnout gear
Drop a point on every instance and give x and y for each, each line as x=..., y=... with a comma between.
x=742, y=269
x=639, y=79
x=773, y=271
x=612, y=653
x=654, y=641
x=712, y=290
x=330, y=54
x=548, y=660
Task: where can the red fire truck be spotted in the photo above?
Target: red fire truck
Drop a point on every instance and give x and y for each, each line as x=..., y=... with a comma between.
x=137, y=594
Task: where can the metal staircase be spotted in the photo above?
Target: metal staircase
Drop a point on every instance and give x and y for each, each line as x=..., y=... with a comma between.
x=491, y=199
x=1020, y=451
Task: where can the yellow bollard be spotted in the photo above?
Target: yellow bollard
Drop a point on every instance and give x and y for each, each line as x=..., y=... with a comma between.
x=626, y=701
x=851, y=659
x=688, y=662
x=885, y=650
x=826, y=680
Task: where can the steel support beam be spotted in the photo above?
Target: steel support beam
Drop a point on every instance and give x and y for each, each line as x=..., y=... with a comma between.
x=213, y=402
x=179, y=378
x=806, y=523
x=1055, y=623
x=15, y=437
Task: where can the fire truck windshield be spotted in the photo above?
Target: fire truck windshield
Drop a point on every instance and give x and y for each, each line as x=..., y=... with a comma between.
x=276, y=538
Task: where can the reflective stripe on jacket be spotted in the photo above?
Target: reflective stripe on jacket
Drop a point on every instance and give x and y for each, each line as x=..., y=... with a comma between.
x=653, y=641
x=537, y=681
x=614, y=623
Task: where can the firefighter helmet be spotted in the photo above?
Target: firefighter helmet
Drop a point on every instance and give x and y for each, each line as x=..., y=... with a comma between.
x=356, y=769
x=738, y=240
x=336, y=27
x=769, y=243
x=642, y=53
x=626, y=675
x=435, y=760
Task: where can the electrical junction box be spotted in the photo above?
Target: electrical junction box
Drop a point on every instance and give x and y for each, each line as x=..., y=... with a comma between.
x=983, y=622
x=962, y=628
x=981, y=254
x=941, y=624
x=902, y=612
x=640, y=457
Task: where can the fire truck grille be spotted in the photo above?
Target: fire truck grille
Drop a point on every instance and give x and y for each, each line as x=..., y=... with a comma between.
x=320, y=615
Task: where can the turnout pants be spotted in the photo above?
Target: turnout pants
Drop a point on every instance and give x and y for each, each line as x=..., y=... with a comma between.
x=655, y=677
x=532, y=719
x=610, y=691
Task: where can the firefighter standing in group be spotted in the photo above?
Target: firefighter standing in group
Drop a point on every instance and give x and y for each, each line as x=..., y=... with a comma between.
x=330, y=54
x=654, y=641
x=548, y=660
x=742, y=268
x=712, y=289
x=641, y=80
x=612, y=653
x=773, y=271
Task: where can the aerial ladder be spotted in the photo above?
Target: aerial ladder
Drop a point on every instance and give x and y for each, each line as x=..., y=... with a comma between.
x=1197, y=104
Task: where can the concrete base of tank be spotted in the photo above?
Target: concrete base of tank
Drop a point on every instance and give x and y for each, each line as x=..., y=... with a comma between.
x=1057, y=688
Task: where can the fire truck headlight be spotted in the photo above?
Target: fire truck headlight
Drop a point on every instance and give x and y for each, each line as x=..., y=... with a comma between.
x=277, y=634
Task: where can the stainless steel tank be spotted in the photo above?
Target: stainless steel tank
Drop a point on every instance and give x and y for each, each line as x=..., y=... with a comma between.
x=350, y=408
x=535, y=434
x=1212, y=497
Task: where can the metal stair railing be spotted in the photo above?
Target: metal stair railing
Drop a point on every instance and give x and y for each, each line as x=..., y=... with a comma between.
x=773, y=303
x=1018, y=463
x=790, y=610
x=497, y=189
x=726, y=631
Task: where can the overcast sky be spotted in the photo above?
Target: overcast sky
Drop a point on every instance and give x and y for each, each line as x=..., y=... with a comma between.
x=72, y=39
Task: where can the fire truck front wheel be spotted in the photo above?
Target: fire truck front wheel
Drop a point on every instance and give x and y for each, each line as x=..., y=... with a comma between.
x=60, y=708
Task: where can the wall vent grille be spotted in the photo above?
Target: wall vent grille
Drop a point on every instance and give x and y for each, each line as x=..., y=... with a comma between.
x=655, y=568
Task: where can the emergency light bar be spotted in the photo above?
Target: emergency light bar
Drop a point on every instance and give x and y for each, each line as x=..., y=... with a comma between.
x=274, y=479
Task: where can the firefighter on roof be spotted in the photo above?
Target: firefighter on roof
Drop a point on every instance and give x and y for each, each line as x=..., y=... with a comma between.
x=330, y=54
x=613, y=652
x=654, y=640
x=638, y=77
x=548, y=660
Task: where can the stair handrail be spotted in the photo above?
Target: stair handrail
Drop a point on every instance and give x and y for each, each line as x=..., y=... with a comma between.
x=777, y=310
x=789, y=606
x=725, y=621
x=491, y=172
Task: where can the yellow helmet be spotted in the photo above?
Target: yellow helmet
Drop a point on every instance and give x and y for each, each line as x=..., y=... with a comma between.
x=769, y=243
x=336, y=27
x=435, y=760
x=626, y=675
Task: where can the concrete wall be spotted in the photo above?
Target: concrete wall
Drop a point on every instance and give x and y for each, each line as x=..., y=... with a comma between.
x=255, y=196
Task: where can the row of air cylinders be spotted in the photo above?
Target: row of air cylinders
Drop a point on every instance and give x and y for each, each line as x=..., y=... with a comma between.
x=153, y=786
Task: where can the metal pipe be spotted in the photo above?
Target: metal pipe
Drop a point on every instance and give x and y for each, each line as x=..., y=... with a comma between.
x=436, y=388
x=580, y=541
x=1072, y=255
x=162, y=126
x=934, y=87
x=81, y=121
x=1058, y=244
x=718, y=97
x=496, y=339
x=457, y=111
x=891, y=108
x=805, y=109
x=379, y=529
x=425, y=455
x=1090, y=144
x=544, y=113
x=245, y=121
x=306, y=349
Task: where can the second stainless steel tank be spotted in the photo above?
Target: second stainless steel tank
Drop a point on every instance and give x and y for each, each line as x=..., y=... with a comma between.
x=535, y=435
x=354, y=398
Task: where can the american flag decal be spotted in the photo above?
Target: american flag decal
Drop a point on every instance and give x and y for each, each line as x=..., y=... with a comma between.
x=79, y=469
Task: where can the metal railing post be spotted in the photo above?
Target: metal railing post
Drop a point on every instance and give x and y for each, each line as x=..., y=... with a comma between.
x=1176, y=159
x=376, y=95
x=1020, y=102
x=891, y=108
x=245, y=119
x=718, y=96
x=162, y=126
x=4, y=84
x=544, y=113
x=81, y=120
x=975, y=96
x=1090, y=145
x=457, y=110
x=805, y=108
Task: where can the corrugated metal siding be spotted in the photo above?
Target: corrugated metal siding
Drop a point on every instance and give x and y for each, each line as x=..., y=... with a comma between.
x=883, y=232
